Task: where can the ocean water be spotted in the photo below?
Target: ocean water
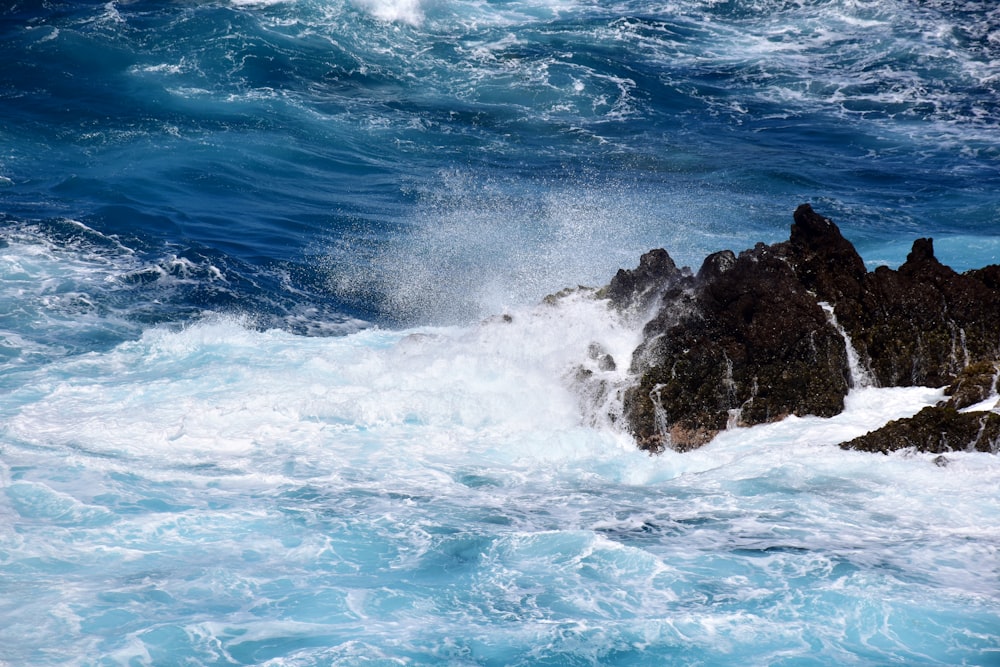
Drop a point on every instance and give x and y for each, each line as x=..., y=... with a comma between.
x=278, y=385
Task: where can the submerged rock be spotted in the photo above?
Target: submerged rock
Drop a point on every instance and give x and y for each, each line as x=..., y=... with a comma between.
x=786, y=329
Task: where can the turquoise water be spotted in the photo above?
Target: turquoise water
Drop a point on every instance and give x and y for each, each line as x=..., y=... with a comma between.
x=256, y=404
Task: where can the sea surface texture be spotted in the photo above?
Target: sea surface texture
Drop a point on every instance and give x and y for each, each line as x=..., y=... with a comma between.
x=278, y=387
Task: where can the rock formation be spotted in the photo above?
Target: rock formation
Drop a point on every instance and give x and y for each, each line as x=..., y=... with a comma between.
x=935, y=429
x=945, y=427
x=787, y=328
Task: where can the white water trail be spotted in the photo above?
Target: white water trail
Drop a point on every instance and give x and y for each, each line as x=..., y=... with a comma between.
x=861, y=376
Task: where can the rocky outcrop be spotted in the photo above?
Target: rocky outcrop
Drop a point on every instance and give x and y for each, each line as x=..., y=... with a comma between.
x=922, y=324
x=742, y=342
x=946, y=426
x=975, y=384
x=786, y=329
x=635, y=289
x=935, y=429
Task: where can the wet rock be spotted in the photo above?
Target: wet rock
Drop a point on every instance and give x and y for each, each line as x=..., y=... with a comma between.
x=605, y=361
x=922, y=324
x=975, y=384
x=746, y=340
x=945, y=427
x=742, y=343
x=935, y=429
x=636, y=288
x=555, y=299
x=824, y=261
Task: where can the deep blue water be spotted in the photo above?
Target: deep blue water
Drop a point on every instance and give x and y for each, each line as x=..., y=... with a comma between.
x=251, y=413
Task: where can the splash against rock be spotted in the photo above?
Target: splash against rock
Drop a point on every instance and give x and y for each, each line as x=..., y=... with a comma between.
x=746, y=340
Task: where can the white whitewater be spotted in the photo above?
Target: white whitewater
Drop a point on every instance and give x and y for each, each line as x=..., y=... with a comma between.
x=223, y=496
x=860, y=375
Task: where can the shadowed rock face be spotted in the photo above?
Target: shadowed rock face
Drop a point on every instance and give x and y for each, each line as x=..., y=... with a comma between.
x=746, y=340
x=922, y=324
x=742, y=343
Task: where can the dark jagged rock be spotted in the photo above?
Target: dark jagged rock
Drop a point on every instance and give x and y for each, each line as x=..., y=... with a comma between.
x=975, y=384
x=934, y=429
x=637, y=288
x=825, y=262
x=922, y=324
x=742, y=343
x=989, y=276
x=747, y=340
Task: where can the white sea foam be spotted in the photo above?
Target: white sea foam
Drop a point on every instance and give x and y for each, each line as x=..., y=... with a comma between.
x=258, y=3
x=404, y=11
x=498, y=379
x=501, y=391
x=47, y=285
x=267, y=497
x=818, y=57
